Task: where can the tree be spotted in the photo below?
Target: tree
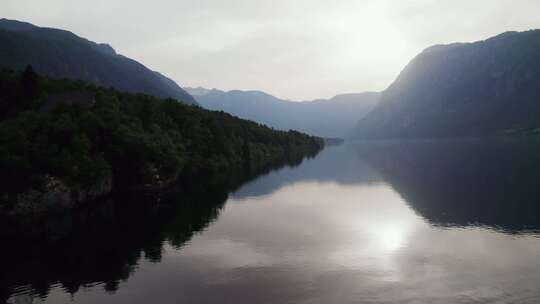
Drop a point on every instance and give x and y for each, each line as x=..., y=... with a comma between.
x=29, y=81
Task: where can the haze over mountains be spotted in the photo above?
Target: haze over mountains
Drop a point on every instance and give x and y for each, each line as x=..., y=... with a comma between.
x=488, y=87
x=62, y=54
x=333, y=117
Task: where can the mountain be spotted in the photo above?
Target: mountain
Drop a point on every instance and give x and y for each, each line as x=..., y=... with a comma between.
x=62, y=54
x=334, y=117
x=198, y=91
x=64, y=142
x=488, y=87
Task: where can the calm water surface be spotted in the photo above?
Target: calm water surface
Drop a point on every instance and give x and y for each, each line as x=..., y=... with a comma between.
x=385, y=222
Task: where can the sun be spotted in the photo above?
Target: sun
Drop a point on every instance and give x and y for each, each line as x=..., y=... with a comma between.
x=391, y=236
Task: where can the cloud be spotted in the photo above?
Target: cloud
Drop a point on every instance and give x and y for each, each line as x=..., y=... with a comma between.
x=294, y=49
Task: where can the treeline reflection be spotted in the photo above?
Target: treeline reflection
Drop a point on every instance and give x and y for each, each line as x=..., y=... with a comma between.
x=490, y=183
x=104, y=245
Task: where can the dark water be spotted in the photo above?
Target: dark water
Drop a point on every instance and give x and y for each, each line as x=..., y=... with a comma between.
x=380, y=222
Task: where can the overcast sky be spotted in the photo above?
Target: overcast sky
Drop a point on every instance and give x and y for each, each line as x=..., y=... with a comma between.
x=296, y=49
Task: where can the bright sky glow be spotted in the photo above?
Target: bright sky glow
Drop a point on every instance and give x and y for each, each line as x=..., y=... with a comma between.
x=302, y=49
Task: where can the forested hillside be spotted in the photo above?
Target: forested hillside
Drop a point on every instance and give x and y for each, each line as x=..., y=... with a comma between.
x=62, y=142
x=61, y=54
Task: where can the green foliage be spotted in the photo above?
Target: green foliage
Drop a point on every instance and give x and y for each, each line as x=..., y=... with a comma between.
x=140, y=141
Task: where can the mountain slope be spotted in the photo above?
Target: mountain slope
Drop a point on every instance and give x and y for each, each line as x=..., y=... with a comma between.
x=328, y=118
x=64, y=141
x=62, y=54
x=464, y=89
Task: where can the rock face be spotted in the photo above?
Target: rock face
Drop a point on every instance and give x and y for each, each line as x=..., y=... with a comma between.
x=464, y=89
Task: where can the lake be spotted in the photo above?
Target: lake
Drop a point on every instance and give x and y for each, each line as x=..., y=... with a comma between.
x=450, y=221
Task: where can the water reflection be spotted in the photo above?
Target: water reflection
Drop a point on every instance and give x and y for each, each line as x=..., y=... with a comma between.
x=385, y=222
x=339, y=164
x=104, y=245
x=464, y=182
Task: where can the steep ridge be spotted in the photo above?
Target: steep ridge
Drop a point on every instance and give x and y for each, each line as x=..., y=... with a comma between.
x=464, y=89
x=62, y=54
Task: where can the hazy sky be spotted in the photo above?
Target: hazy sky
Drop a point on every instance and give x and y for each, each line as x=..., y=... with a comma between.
x=298, y=49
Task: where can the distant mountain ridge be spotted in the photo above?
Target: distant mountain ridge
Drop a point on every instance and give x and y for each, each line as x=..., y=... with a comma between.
x=487, y=87
x=334, y=117
x=61, y=54
x=198, y=91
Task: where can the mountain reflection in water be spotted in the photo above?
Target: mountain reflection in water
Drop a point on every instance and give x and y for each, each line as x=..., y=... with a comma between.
x=449, y=221
x=490, y=183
